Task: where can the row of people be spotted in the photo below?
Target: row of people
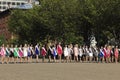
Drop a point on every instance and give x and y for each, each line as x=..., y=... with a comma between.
x=70, y=52
x=10, y=53
x=88, y=54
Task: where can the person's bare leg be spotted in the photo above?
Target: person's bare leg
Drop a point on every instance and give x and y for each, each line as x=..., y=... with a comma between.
x=116, y=60
x=7, y=61
x=31, y=59
x=60, y=59
x=2, y=60
x=37, y=58
x=54, y=59
x=77, y=58
x=49, y=59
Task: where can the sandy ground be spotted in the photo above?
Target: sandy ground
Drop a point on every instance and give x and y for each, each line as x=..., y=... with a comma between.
x=60, y=71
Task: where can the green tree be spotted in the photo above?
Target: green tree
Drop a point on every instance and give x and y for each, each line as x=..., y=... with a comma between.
x=70, y=21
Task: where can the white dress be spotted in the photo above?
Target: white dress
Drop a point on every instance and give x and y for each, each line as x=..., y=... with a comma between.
x=69, y=51
x=90, y=52
x=25, y=51
x=80, y=52
x=65, y=51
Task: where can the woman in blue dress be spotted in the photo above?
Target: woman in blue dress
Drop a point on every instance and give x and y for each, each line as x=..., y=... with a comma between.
x=37, y=52
x=101, y=54
x=29, y=54
x=54, y=52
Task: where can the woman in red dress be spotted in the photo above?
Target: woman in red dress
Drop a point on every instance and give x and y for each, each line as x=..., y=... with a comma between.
x=116, y=53
x=43, y=52
x=59, y=51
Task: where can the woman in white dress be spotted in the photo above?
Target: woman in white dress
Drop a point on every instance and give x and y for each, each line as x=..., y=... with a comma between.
x=66, y=53
x=87, y=53
x=25, y=52
x=70, y=52
x=80, y=53
x=90, y=54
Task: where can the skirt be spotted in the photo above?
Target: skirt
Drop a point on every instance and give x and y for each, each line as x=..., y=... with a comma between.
x=20, y=54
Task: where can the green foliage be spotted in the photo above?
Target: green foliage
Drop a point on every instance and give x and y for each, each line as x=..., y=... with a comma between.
x=2, y=39
x=70, y=21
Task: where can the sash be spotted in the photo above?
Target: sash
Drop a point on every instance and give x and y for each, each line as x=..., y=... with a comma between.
x=60, y=47
x=36, y=48
x=54, y=52
x=7, y=51
x=44, y=50
x=16, y=51
x=101, y=51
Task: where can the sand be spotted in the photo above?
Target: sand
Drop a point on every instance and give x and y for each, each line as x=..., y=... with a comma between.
x=60, y=71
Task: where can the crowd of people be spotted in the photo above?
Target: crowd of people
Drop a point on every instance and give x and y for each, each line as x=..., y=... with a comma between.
x=57, y=53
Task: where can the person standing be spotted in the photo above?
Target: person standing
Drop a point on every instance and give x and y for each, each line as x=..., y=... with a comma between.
x=20, y=51
x=37, y=52
x=11, y=53
x=112, y=54
x=66, y=53
x=116, y=53
x=95, y=53
x=2, y=53
x=32, y=52
x=29, y=54
x=87, y=53
x=25, y=52
x=16, y=54
x=43, y=52
x=90, y=54
x=101, y=54
x=54, y=52
x=84, y=54
x=76, y=52
x=7, y=54
x=105, y=52
x=59, y=51
x=49, y=52
x=80, y=53
x=108, y=54
x=70, y=52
